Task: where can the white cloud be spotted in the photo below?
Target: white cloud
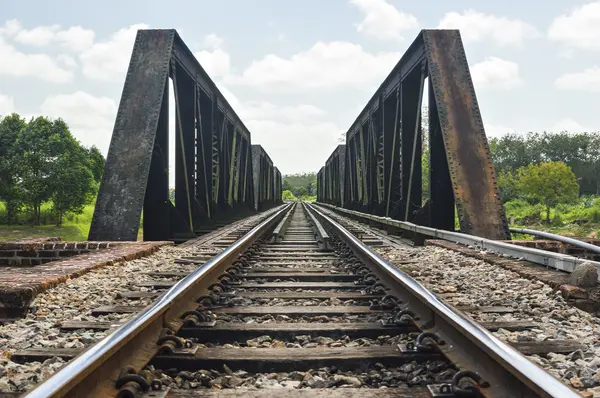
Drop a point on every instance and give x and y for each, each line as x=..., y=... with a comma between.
x=7, y=105
x=580, y=29
x=588, y=80
x=323, y=66
x=67, y=61
x=476, y=26
x=90, y=118
x=568, y=124
x=291, y=145
x=18, y=64
x=108, y=60
x=74, y=38
x=259, y=110
x=216, y=62
x=212, y=41
x=494, y=72
x=382, y=20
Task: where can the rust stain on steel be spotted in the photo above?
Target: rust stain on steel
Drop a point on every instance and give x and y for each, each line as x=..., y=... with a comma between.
x=473, y=176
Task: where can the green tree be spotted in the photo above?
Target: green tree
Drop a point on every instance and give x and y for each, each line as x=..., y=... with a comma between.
x=508, y=183
x=71, y=176
x=287, y=195
x=300, y=191
x=10, y=193
x=35, y=159
x=549, y=183
x=97, y=163
x=286, y=185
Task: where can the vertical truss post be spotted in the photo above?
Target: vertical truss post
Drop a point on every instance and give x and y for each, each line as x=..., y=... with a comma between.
x=411, y=142
x=231, y=173
x=392, y=132
x=184, y=145
x=203, y=125
x=472, y=173
x=441, y=214
x=156, y=201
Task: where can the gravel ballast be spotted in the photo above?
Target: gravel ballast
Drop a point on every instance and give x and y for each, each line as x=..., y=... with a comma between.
x=465, y=281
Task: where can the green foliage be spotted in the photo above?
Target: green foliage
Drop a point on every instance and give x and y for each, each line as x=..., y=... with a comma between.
x=10, y=191
x=304, y=184
x=308, y=198
x=580, y=151
x=508, y=183
x=97, y=163
x=42, y=164
x=548, y=183
x=287, y=195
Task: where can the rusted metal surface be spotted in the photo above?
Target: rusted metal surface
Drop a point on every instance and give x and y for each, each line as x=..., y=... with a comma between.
x=213, y=165
x=383, y=154
x=121, y=196
x=471, y=170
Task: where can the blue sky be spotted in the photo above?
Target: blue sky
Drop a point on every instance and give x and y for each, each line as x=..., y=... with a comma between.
x=299, y=72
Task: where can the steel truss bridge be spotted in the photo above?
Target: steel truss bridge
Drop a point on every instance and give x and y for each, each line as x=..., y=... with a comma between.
x=220, y=176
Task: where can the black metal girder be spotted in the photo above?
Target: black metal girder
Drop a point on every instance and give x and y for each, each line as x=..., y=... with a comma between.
x=213, y=148
x=383, y=145
x=333, y=177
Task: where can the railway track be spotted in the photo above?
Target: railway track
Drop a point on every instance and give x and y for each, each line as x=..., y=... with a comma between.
x=298, y=302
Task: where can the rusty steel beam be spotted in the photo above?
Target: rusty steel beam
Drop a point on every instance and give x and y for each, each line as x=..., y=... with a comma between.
x=213, y=171
x=384, y=146
x=472, y=173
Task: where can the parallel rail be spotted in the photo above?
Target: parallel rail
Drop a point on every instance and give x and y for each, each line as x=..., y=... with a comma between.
x=101, y=363
x=464, y=340
x=496, y=369
x=559, y=261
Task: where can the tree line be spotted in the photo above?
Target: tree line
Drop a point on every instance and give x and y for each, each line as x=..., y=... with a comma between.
x=579, y=151
x=300, y=185
x=42, y=163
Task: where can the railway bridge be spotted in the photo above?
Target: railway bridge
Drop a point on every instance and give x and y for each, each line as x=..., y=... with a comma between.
x=370, y=292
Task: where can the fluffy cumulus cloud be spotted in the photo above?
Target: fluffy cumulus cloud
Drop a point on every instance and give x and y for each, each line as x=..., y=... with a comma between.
x=477, y=26
x=74, y=38
x=90, y=118
x=7, y=105
x=494, y=72
x=326, y=65
x=588, y=80
x=107, y=60
x=382, y=20
x=35, y=65
x=578, y=29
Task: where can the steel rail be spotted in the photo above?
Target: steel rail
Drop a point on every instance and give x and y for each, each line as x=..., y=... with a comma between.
x=563, y=262
x=280, y=229
x=536, y=381
x=67, y=378
x=320, y=234
x=564, y=239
